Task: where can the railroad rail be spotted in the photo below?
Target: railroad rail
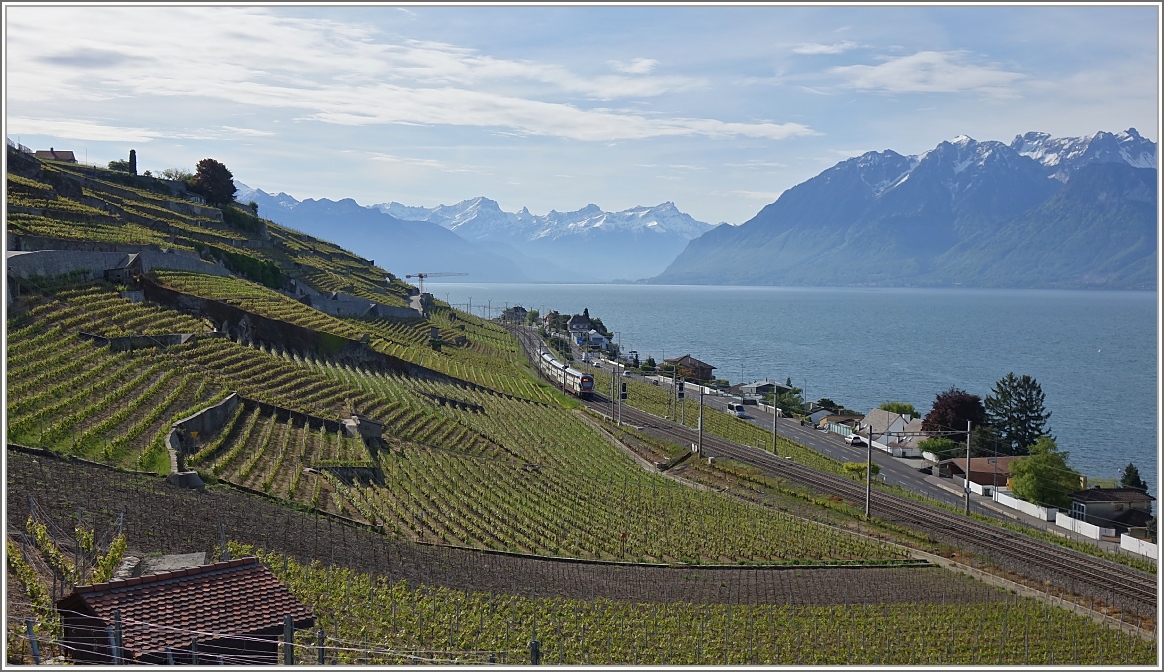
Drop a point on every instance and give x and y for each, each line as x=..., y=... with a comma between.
x=1120, y=586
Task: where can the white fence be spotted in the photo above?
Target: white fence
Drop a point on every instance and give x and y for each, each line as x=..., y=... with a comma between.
x=1086, y=529
x=983, y=490
x=1005, y=498
x=1134, y=545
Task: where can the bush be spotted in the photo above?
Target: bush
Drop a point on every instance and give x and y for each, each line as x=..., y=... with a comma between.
x=857, y=469
x=242, y=220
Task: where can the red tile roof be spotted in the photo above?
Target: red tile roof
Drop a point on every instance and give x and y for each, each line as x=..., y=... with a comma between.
x=1098, y=494
x=235, y=597
x=55, y=155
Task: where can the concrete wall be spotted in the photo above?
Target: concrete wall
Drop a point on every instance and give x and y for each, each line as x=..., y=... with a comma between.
x=49, y=263
x=206, y=423
x=1134, y=545
x=1007, y=498
x=93, y=264
x=119, y=343
x=1086, y=529
x=179, y=260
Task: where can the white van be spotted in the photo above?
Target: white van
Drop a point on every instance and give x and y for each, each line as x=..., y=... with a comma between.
x=738, y=409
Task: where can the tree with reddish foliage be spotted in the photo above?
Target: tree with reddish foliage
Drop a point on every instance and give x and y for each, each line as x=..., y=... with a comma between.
x=951, y=410
x=213, y=182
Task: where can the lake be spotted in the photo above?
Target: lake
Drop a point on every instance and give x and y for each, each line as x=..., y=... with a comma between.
x=1094, y=353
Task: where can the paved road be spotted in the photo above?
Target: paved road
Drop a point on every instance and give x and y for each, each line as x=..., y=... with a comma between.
x=894, y=471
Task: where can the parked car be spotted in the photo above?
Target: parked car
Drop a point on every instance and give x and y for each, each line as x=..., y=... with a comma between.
x=855, y=440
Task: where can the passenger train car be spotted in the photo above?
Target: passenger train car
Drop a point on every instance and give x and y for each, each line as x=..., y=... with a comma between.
x=566, y=377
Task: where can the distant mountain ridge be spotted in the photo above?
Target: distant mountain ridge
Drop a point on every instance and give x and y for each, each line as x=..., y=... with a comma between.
x=1038, y=212
x=584, y=244
x=476, y=236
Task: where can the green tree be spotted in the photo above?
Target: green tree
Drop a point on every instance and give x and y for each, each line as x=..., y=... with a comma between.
x=1015, y=409
x=984, y=442
x=940, y=446
x=825, y=402
x=120, y=166
x=531, y=317
x=1131, y=478
x=177, y=174
x=952, y=409
x=901, y=408
x=214, y=182
x=1044, y=477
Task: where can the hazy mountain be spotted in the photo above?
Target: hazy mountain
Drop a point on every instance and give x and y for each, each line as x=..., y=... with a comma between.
x=1039, y=212
x=402, y=247
x=584, y=244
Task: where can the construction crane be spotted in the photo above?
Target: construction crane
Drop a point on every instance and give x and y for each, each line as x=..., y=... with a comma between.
x=421, y=276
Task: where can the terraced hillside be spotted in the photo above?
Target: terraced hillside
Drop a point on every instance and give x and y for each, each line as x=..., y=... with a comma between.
x=471, y=453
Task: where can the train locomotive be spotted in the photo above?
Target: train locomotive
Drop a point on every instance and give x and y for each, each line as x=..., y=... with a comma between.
x=566, y=377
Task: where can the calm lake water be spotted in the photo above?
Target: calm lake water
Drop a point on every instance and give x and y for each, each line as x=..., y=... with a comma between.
x=1094, y=353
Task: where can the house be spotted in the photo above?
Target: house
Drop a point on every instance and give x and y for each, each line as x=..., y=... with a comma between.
x=689, y=367
x=1121, y=508
x=595, y=339
x=237, y=607
x=55, y=155
x=909, y=440
x=579, y=325
x=816, y=417
x=125, y=270
x=514, y=315
x=985, y=471
x=887, y=429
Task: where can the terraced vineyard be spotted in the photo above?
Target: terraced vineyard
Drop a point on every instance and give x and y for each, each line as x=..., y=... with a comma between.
x=374, y=621
x=67, y=394
x=477, y=455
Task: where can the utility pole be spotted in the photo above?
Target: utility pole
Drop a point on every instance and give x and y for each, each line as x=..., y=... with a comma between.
x=967, y=474
x=612, y=394
x=775, y=414
x=700, y=449
x=869, y=472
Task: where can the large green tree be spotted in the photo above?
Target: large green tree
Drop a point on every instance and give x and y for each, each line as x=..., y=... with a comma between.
x=901, y=408
x=1015, y=409
x=213, y=182
x=1044, y=477
x=952, y=409
x=1131, y=478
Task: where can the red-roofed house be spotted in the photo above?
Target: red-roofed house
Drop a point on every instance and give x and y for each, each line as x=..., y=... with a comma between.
x=234, y=609
x=55, y=155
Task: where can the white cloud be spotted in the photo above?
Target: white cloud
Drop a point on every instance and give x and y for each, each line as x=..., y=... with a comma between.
x=332, y=72
x=817, y=49
x=639, y=66
x=930, y=72
x=78, y=129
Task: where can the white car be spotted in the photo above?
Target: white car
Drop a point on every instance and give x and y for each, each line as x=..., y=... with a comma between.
x=854, y=440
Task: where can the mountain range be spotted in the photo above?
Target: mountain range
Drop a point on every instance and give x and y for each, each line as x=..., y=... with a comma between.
x=477, y=237
x=1037, y=212
x=1078, y=212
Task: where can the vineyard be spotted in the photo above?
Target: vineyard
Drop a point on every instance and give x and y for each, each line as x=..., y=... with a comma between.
x=391, y=602
x=492, y=511
x=371, y=620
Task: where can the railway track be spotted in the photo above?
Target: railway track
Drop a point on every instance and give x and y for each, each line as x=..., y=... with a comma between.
x=1120, y=586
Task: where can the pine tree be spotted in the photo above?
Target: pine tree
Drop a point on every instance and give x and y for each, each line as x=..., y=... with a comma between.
x=1131, y=478
x=1015, y=409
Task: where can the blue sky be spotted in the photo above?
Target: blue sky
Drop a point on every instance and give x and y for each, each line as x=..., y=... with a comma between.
x=718, y=109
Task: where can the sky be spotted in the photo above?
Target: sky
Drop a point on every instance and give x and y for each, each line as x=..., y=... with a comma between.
x=717, y=109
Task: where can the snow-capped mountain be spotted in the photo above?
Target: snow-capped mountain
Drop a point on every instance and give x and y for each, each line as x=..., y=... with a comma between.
x=588, y=243
x=1064, y=155
x=483, y=219
x=1039, y=212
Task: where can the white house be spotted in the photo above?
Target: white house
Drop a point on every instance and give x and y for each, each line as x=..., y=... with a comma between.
x=889, y=430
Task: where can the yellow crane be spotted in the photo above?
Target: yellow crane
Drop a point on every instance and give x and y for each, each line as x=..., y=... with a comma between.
x=421, y=276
